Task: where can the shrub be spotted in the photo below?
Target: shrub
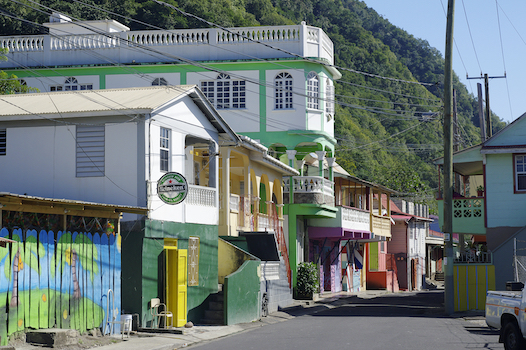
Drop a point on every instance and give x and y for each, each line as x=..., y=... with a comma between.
x=308, y=280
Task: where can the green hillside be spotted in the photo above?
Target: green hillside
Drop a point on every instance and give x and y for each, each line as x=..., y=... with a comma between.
x=382, y=134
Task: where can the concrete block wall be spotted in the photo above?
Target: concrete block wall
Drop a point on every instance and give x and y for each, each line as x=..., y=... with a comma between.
x=278, y=292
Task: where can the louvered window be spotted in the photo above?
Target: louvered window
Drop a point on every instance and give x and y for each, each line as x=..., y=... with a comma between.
x=90, y=151
x=3, y=142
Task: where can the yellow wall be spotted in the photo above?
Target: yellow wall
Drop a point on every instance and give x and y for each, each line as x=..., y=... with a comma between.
x=471, y=282
x=230, y=258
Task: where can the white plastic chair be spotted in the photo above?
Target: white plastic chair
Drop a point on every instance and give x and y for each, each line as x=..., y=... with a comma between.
x=155, y=305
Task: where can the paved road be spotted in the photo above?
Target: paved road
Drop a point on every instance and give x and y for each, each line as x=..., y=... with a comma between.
x=401, y=321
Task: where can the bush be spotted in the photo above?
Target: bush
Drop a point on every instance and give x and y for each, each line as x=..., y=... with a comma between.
x=308, y=280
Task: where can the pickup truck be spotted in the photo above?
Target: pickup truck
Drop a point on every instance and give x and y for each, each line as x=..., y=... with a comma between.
x=506, y=311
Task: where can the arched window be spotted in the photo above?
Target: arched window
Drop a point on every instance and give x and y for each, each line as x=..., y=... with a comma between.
x=283, y=91
x=71, y=84
x=313, y=91
x=159, y=82
x=329, y=99
x=224, y=92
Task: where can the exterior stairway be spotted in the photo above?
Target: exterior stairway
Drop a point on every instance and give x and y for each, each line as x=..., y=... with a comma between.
x=214, y=315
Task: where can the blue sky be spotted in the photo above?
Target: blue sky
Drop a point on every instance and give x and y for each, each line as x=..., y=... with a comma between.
x=482, y=51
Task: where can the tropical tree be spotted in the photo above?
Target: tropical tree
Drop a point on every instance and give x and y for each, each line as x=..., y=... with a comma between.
x=9, y=83
x=20, y=259
x=69, y=251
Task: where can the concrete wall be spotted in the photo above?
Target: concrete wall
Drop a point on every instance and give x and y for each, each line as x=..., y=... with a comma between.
x=230, y=258
x=279, y=293
x=242, y=294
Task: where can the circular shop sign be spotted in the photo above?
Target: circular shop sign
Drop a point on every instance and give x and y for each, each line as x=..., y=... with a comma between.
x=172, y=188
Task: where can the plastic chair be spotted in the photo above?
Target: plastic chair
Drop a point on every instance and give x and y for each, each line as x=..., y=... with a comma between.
x=157, y=315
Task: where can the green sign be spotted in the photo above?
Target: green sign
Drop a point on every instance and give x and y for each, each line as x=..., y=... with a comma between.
x=172, y=188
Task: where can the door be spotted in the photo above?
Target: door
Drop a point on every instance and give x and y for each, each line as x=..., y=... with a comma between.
x=176, y=284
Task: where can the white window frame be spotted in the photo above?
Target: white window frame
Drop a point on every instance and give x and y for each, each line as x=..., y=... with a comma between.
x=159, y=82
x=519, y=171
x=283, y=91
x=224, y=92
x=90, y=150
x=329, y=99
x=164, y=147
x=71, y=84
x=313, y=91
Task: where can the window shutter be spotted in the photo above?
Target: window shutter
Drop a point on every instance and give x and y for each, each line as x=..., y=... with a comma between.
x=90, y=151
x=3, y=142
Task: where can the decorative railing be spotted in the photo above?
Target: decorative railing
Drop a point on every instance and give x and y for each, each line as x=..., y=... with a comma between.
x=474, y=257
x=468, y=215
x=86, y=41
x=263, y=34
x=23, y=43
x=356, y=215
x=199, y=195
x=300, y=40
x=309, y=184
x=468, y=208
x=234, y=202
x=264, y=223
x=381, y=225
x=171, y=37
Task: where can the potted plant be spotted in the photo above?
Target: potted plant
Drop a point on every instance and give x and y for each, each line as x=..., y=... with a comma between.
x=480, y=191
x=308, y=281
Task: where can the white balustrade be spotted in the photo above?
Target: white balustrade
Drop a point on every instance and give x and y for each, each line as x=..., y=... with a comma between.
x=234, y=202
x=309, y=184
x=22, y=43
x=201, y=196
x=355, y=215
x=298, y=39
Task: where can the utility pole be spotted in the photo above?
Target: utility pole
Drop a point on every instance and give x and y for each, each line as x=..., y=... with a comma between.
x=448, y=161
x=488, y=111
x=481, y=114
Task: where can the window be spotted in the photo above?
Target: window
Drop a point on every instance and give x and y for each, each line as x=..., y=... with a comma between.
x=159, y=82
x=225, y=93
x=329, y=99
x=90, y=150
x=165, y=149
x=313, y=91
x=283, y=92
x=71, y=84
x=520, y=172
x=3, y=142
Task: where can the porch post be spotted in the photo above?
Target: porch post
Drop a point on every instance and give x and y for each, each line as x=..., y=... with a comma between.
x=330, y=162
x=291, y=154
x=321, y=156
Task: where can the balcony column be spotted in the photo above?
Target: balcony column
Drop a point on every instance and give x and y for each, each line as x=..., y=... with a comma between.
x=291, y=155
x=224, y=190
x=321, y=156
x=213, y=170
x=300, y=163
x=330, y=162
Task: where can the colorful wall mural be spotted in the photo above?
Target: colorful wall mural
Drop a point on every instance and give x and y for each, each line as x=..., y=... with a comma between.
x=57, y=278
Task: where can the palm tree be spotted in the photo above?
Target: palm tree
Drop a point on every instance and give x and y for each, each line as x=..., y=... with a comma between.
x=20, y=259
x=69, y=252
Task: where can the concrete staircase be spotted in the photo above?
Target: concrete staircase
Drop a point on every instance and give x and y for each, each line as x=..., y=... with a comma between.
x=214, y=315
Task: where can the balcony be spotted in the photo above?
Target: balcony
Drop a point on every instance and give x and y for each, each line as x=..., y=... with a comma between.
x=468, y=215
x=191, y=44
x=201, y=205
x=381, y=225
x=309, y=189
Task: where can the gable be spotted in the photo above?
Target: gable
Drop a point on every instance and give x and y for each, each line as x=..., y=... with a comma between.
x=511, y=136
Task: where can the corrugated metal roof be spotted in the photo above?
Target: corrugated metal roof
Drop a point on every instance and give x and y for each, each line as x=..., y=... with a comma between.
x=142, y=98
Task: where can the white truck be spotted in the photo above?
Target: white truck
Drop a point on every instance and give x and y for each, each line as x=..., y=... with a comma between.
x=506, y=311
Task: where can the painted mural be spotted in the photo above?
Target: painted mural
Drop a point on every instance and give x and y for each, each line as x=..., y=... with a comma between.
x=53, y=278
